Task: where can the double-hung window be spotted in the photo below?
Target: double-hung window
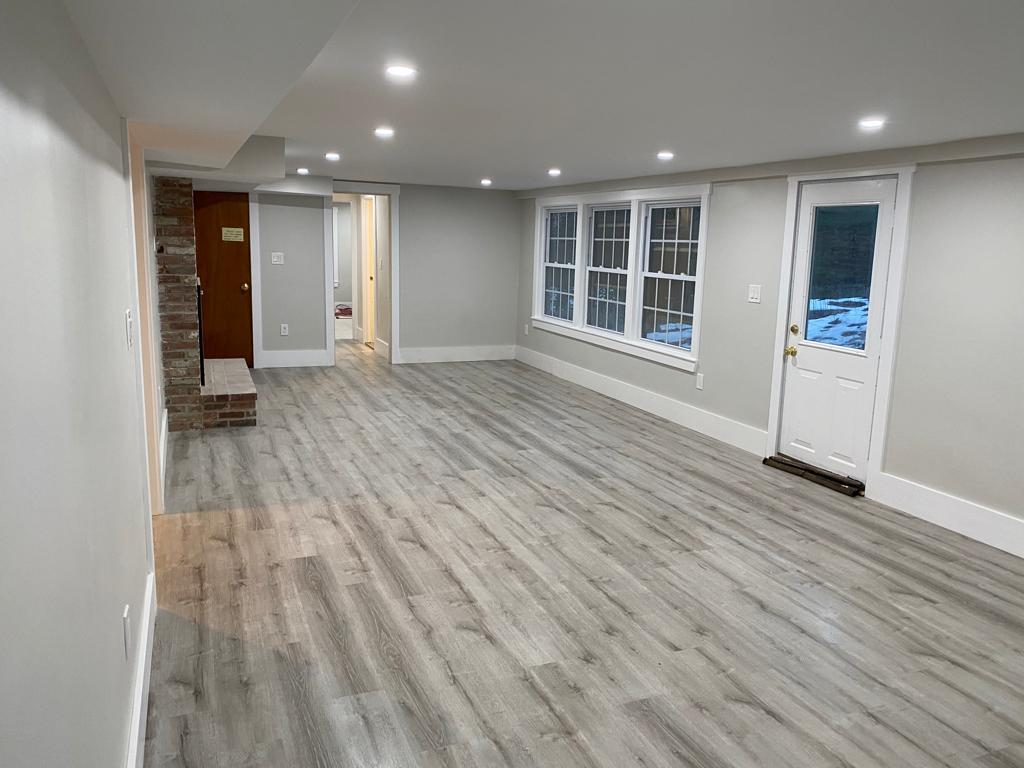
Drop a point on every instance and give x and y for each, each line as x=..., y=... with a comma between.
x=607, y=268
x=670, y=274
x=560, y=264
x=624, y=270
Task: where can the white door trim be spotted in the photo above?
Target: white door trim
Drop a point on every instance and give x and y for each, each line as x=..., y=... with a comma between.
x=890, y=312
x=330, y=254
x=258, y=357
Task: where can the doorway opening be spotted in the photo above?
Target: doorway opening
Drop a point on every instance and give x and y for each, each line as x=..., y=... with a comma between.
x=362, y=270
x=838, y=314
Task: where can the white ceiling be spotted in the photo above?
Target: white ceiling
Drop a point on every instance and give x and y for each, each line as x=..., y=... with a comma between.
x=202, y=75
x=508, y=88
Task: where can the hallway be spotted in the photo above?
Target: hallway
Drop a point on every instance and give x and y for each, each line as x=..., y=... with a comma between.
x=479, y=564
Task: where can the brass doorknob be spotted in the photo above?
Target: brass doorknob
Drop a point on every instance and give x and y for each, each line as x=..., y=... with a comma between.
x=245, y=287
x=794, y=329
x=789, y=352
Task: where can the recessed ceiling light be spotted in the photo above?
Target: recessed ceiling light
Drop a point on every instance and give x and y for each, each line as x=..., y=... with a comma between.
x=302, y=171
x=554, y=171
x=485, y=182
x=384, y=132
x=333, y=157
x=871, y=123
x=401, y=73
x=666, y=155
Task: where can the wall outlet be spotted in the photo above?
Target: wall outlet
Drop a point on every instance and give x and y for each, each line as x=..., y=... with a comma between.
x=276, y=257
x=284, y=329
x=754, y=293
x=526, y=329
x=126, y=628
x=700, y=381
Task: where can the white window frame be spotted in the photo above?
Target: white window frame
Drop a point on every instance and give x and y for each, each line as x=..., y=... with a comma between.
x=640, y=201
x=544, y=263
x=589, y=267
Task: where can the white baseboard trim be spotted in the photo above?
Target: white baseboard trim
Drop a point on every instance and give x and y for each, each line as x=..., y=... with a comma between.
x=457, y=354
x=975, y=521
x=382, y=348
x=711, y=424
x=163, y=456
x=293, y=358
x=135, y=752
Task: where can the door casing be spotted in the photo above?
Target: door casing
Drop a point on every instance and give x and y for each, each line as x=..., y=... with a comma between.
x=891, y=309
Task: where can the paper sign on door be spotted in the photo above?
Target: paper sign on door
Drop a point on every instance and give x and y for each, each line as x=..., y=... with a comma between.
x=232, y=234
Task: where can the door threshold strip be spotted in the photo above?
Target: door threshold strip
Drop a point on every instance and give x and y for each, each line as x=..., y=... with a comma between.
x=845, y=485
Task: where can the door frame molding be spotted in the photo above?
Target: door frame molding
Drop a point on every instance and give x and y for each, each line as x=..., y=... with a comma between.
x=258, y=356
x=329, y=256
x=890, y=312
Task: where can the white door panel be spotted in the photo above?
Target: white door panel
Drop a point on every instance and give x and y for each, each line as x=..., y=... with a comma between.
x=840, y=263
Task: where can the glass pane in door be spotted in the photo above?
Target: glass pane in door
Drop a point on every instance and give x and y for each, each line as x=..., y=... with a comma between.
x=839, y=286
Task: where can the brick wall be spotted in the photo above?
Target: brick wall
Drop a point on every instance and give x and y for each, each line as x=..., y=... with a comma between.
x=174, y=232
x=229, y=411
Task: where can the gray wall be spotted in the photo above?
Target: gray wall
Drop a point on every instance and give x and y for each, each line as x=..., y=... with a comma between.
x=957, y=421
x=459, y=266
x=745, y=232
x=292, y=292
x=343, y=237
x=958, y=401
x=73, y=514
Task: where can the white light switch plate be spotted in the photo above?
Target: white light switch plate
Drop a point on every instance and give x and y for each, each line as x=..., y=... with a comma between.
x=754, y=293
x=284, y=329
x=276, y=257
x=126, y=627
x=129, y=329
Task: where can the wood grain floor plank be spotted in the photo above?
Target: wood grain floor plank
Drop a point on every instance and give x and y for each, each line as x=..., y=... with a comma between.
x=477, y=564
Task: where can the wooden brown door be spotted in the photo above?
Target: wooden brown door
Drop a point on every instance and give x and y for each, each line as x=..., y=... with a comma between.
x=222, y=261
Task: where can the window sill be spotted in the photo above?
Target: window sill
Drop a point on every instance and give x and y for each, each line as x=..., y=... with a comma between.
x=664, y=357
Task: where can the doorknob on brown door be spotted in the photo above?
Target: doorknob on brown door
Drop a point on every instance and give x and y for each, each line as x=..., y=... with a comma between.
x=789, y=352
x=245, y=287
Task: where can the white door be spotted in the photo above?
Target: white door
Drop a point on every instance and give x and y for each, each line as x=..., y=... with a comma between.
x=840, y=265
x=368, y=233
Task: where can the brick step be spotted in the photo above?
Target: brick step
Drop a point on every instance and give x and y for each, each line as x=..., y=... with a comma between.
x=229, y=395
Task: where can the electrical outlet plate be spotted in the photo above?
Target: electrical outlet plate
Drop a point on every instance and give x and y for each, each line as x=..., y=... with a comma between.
x=754, y=293
x=700, y=381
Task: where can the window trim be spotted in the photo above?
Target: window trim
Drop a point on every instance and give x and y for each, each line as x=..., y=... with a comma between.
x=588, y=266
x=543, y=263
x=640, y=202
x=697, y=279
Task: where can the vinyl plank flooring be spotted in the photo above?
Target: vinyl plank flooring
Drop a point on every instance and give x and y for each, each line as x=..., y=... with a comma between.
x=476, y=564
